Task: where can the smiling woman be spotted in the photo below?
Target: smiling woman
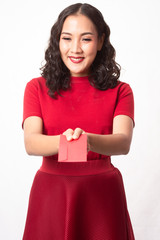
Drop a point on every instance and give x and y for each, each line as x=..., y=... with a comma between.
x=79, y=43
x=104, y=71
x=79, y=93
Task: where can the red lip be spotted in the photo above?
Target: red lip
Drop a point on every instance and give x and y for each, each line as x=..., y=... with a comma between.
x=76, y=59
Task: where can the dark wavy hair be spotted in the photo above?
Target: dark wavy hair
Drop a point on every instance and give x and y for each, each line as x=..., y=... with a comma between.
x=104, y=70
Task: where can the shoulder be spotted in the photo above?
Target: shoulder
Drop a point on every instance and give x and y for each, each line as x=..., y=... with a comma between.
x=36, y=88
x=37, y=85
x=119, y=90
x=37, y=82
x=123, y=88
x=124, y=100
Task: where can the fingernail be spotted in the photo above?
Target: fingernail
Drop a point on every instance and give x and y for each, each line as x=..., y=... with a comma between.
x=75, y=136
x=69, y=138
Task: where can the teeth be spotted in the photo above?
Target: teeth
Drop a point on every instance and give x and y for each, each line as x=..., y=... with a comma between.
x=76, y=59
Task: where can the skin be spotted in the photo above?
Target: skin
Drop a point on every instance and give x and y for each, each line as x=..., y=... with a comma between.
x=79, y=41
x=78, y=45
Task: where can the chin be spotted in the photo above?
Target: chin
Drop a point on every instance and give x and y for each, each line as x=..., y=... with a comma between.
x=79, y=73
x=73, y=74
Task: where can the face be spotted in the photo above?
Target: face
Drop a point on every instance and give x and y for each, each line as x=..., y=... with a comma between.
x=79, y=44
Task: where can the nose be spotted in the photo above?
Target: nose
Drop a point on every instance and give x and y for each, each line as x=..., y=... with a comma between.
x=76, y=46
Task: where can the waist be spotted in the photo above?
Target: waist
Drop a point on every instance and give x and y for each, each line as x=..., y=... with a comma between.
x=76, y=168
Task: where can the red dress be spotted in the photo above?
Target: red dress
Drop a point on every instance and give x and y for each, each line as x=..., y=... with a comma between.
x=84, y=200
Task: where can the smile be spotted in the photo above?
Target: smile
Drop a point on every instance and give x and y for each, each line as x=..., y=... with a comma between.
x=76, y=59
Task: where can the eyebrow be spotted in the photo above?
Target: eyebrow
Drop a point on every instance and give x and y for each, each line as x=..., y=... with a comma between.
x=85, y=33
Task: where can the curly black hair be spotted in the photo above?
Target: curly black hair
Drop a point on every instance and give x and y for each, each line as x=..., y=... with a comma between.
x=105, y=72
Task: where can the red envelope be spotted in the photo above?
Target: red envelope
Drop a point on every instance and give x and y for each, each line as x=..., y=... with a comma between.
x=73, y=151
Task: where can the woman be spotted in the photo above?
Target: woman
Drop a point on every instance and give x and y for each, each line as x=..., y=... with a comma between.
x=79, y=92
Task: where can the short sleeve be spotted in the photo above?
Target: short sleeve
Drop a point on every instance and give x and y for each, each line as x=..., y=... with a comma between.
x=125, y=101
x=31, y=103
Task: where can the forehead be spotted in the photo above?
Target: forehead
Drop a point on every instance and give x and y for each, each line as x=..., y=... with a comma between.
x=78, y=24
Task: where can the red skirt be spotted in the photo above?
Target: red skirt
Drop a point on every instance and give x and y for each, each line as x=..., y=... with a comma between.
x=78, y=201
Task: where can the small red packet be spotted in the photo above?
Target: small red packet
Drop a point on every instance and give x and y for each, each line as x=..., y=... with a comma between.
x=73, y=151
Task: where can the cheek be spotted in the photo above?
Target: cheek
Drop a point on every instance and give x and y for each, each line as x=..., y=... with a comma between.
x=63, y=47
x=90, y=49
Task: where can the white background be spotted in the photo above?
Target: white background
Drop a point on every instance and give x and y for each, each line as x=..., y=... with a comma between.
x=24, y=32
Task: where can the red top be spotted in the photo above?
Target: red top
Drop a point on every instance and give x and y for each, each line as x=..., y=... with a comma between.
x=81, y=106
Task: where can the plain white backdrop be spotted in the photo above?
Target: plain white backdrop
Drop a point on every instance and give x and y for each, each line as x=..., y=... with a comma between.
x=24, y=33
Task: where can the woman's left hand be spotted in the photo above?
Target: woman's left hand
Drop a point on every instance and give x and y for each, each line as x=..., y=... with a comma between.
x=75, y=134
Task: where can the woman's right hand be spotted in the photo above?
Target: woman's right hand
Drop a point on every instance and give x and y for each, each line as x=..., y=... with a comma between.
x=75, y=134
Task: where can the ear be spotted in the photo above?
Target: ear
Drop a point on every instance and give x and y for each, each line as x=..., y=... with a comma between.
x=100, y=42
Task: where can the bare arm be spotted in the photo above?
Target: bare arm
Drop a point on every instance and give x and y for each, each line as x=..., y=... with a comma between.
x=36, y=143
x=116, y=143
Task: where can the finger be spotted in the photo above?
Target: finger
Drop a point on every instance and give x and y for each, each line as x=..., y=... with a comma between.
x=88, y=144
x=69, y=134
x=88, y=147
x=77, y=133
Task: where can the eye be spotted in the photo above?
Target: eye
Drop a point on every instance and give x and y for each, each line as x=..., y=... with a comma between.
x=87, y=39
x=66, y=38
